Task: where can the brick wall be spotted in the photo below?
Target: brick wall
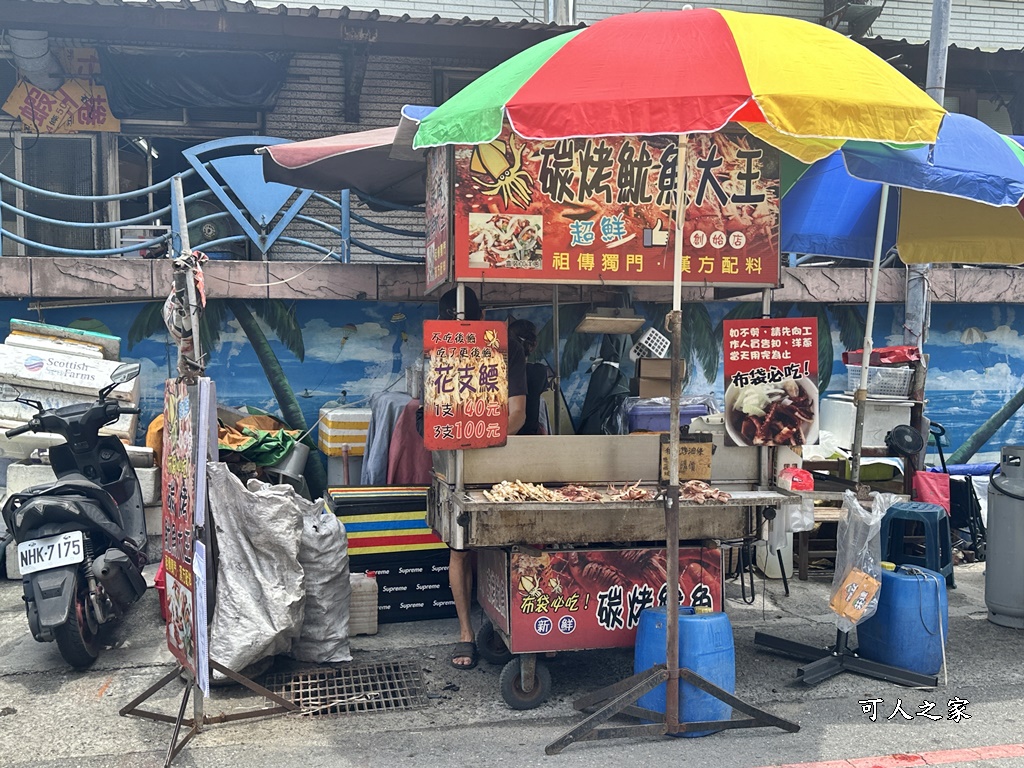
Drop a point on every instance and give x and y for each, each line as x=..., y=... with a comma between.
x=311, y=105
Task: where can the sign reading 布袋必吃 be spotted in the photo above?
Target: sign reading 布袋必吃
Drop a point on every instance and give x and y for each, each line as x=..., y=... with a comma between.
x=771, y=381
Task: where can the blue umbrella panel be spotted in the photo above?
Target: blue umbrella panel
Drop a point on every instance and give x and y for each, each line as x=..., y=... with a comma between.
x=827, y=212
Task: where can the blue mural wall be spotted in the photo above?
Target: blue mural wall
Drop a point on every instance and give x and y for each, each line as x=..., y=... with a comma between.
x=358, y=348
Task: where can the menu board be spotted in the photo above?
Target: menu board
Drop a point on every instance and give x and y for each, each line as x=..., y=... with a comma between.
x=465, y=391
x=189, y=421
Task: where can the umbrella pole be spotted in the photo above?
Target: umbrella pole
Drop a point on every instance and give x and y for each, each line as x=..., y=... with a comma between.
x=860, y=398
x=672, y=499
x=556, y=334
x=619, y=697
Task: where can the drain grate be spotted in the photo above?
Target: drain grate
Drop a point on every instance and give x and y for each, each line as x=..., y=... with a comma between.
x=370, y=687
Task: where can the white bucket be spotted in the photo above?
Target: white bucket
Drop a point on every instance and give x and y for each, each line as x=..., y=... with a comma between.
x=768, y=562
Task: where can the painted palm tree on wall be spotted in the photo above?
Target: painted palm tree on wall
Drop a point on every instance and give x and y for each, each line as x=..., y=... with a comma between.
x=279, y=318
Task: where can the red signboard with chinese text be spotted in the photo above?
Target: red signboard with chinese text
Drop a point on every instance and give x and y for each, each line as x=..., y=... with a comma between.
x=771, y=381
x=602, y=210
x=189, y=423
x=580, y=599
x=438, y=217
x=465, y=385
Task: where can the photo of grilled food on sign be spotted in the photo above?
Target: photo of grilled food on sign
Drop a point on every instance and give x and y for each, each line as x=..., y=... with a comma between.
x=505, y=240
x=782, y=413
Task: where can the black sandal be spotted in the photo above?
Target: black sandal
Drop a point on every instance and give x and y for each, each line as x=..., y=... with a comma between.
x=464, y=650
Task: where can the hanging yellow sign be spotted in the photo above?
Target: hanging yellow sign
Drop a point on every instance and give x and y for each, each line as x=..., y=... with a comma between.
x=78, y=105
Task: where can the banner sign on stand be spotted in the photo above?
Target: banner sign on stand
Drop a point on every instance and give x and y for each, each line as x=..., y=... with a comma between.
x=188, y=419
x=771, y=381
x=438, y=217
x=592, y=210
x=465, y=390
x=567, y=600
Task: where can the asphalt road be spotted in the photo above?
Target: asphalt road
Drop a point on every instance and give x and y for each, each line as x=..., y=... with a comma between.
x=51, y=716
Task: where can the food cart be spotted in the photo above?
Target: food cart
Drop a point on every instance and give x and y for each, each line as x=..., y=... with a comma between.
x=558, y=574
x=574, y=575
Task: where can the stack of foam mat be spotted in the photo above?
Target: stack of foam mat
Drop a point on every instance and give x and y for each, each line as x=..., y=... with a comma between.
x=388, y=536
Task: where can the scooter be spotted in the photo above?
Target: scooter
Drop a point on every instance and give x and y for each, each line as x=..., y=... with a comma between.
x=81, y=539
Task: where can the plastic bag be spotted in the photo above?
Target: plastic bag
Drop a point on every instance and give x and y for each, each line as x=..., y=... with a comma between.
x=858, y=574
x=798, y=515
x=260, y=587
x=323, y=555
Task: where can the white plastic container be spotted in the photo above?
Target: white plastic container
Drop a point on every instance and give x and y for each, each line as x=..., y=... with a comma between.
x=768, y=562
x=839, y=417
x=362, y=611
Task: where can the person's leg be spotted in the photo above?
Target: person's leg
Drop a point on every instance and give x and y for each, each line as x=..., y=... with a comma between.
x=460, y=576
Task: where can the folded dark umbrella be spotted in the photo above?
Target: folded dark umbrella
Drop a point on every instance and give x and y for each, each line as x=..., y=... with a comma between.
x=607, y=389
x=380, y=162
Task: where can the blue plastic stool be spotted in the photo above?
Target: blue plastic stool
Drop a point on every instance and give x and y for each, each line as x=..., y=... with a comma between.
x=938, y=547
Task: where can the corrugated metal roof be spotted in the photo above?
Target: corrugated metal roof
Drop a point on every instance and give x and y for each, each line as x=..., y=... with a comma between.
x=343, y=13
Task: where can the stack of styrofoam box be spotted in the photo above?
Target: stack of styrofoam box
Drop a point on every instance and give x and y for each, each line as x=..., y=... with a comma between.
x=21, y=476
x=362, y=608
x=58, y=366
x=343, y=427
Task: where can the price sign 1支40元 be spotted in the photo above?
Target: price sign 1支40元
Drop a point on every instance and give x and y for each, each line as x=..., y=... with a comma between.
x=465, y=386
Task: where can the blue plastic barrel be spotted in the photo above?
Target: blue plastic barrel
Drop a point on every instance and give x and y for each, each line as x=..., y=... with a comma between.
x=905, y=630
x=705, y=647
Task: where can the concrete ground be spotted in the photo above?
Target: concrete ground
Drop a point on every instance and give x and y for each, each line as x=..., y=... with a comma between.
x=51, y=716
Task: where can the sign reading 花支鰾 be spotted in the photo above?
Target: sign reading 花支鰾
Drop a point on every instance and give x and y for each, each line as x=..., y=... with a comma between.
x=465, y=390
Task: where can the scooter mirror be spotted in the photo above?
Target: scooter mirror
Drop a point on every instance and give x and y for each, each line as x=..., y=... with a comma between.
x=8, y=394
x=125, y=372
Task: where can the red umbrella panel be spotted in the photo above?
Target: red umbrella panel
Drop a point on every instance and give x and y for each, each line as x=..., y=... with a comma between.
x=380, y=163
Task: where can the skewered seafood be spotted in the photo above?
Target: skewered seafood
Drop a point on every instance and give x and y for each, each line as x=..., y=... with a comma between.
x=700, y=492
x=506, y=491
x=515, y=491
x=580, y=493
x=631, y=492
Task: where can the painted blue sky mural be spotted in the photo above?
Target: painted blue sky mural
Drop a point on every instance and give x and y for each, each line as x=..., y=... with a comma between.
x=977, y=357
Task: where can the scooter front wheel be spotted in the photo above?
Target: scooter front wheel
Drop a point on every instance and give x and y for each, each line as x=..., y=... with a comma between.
x=78, y=639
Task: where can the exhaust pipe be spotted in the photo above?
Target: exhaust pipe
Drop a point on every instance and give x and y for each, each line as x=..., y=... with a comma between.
x=36, y=62
x=119, y=576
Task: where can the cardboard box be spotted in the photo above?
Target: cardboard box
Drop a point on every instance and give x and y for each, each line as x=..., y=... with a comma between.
x=654, y=376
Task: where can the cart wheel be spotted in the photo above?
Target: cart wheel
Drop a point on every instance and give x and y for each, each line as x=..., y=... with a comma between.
x=490, y=645
x=512, y=686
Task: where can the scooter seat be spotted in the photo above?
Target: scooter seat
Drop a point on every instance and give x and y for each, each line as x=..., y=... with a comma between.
x=76, y=484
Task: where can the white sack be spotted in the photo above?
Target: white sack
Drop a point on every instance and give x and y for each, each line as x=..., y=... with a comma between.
x=260, y=588
x=323, y=555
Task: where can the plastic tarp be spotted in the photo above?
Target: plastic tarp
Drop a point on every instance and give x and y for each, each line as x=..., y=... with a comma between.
x=158, y=80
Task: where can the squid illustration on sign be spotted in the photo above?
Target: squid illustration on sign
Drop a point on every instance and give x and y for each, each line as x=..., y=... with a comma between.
x=504, y=165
